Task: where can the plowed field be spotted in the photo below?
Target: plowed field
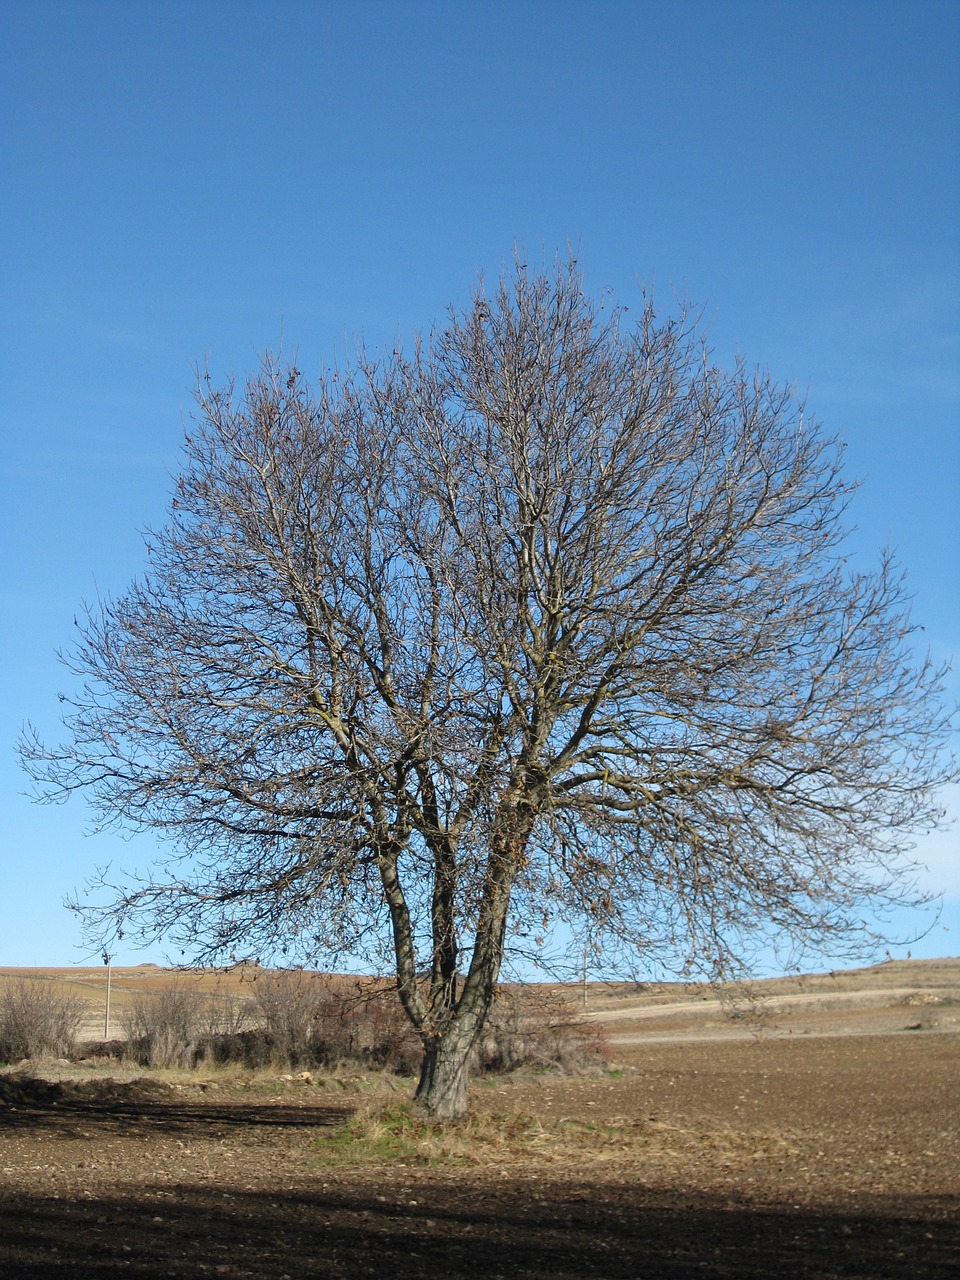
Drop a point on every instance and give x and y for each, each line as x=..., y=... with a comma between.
x=782, y=1150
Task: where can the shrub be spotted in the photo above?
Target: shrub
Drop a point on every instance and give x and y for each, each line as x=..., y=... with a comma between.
x=295, y=1019
x=317, y=1020
x=529, y=1029
x=177, y=1027
x=37, y=1020
x=290, y=1005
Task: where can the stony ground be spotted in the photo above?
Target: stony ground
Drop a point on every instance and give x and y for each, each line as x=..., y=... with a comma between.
x=805, y=1156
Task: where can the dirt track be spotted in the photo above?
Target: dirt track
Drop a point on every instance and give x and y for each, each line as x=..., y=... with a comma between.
x=798, y=1154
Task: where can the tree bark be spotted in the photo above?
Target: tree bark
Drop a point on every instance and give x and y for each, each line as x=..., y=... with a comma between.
x=445, y=1073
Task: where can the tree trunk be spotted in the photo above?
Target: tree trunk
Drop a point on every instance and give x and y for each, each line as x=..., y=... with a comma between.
x=444, y=1075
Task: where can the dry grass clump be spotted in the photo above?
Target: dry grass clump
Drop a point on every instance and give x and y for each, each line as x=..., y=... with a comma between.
x=394, y=1133
x=390, y=1133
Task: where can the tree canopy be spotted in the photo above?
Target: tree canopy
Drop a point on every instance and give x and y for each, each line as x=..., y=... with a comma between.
x=548, y=619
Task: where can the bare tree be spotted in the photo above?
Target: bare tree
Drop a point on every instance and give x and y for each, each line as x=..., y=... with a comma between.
x=548, y=620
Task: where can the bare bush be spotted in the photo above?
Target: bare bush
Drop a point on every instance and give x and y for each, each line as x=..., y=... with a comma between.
x=289, y=1006
x=162, y=1028
x=317, y=1020
x=37, y=1020
x=224, y=1016
x=530, y=1029
x=386, y=1037
x=298, y=1019
x=178, y=1027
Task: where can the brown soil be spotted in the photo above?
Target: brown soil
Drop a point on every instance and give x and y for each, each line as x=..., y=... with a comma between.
x=791, y=1150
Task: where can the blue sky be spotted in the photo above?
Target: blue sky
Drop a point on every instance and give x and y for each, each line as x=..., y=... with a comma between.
x=196, y=182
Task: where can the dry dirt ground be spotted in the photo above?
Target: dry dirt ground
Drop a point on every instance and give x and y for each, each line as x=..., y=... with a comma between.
x=808, y=1137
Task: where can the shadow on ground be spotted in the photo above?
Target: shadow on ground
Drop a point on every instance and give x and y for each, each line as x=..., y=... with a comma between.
x=39, y=1106
x=397, y=1223
x=447, y=1231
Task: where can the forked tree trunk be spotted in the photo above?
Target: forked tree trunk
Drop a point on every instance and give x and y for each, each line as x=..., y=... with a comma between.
x=445, y=1074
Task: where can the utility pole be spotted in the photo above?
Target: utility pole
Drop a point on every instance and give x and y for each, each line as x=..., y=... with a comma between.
x=106, y=1013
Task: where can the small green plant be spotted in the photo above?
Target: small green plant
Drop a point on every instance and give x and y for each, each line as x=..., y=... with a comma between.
x=385, y=1135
